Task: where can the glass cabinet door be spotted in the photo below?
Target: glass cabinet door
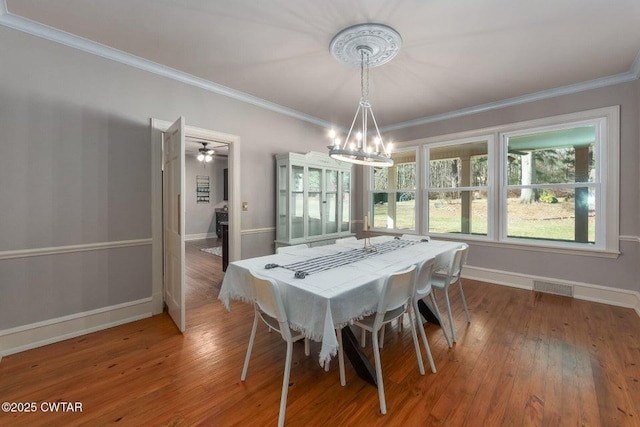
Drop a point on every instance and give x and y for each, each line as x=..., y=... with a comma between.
x=283, y=218
x=296, y=209
x=331, y=201
x=346, y=201
x=314, y=202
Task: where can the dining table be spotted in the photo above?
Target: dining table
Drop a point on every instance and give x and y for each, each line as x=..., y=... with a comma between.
x=326, y=288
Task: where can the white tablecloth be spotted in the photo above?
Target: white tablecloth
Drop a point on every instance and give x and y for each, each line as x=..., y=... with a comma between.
x=324, y=301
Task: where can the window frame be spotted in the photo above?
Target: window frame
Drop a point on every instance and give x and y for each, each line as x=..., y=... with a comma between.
x=600, y=186
x=370, y=190
x=607, y=166
x=490, y=187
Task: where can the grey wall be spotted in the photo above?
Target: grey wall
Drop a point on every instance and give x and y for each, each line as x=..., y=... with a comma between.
x=75, y=168
x=201, y=217
x=74, y=145
x=622, y=272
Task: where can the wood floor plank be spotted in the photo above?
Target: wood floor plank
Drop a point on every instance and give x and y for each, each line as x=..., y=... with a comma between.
x=525, y=359
x=491, y=401
x=608, y=360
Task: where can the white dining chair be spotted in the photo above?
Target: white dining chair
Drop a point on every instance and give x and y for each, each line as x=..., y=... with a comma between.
x=291, y=249
x=442, y=281
x=268, y=307
x=396, y=299
x=423, y=289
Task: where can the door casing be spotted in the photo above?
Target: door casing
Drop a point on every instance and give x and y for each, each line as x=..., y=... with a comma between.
x=234, y=204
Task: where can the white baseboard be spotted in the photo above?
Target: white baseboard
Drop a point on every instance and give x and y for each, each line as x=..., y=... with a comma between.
x=583, y=291
x=26, y=337
x=258, y=230
x=157, y=302
x=200, y=236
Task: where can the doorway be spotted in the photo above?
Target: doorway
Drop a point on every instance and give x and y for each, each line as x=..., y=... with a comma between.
x=206, y=205
x=233, y=203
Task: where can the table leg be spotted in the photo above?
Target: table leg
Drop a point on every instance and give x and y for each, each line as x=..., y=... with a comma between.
x=356, y=356
x=427, y=313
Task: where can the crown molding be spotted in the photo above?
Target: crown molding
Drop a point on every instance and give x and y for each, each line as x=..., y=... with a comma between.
x=49, y=33
x=52, y=34
x=536, y=96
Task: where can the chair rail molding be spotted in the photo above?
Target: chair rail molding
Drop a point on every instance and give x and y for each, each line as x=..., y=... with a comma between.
x=55, y=250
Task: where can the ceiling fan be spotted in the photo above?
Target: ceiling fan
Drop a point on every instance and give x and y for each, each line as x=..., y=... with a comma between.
x=205, y=154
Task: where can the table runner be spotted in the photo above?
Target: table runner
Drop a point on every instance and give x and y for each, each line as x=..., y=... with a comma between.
x=327, y=262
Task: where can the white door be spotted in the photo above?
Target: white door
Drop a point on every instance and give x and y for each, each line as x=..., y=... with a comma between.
x=173, y=221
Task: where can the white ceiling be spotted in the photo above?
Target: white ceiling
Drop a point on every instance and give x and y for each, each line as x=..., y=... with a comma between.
x=455, y=54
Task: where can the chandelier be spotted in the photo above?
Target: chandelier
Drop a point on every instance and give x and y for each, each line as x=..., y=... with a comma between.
x=364, y=45
x=205, y=154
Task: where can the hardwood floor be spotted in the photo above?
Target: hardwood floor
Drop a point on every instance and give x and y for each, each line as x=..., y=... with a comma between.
x=204, y=273
x=526, y=359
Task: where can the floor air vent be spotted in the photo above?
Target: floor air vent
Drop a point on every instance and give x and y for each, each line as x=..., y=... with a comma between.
x=553, y=288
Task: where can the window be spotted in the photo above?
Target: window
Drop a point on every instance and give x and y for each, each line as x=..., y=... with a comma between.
x=394, y=193
x=552, y=183
x=458, y=187
x=548, y=183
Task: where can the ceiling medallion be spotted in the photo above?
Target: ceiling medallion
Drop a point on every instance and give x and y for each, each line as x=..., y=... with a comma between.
x=383, y=42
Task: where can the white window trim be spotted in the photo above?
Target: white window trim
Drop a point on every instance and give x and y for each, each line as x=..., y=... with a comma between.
x=609, y=162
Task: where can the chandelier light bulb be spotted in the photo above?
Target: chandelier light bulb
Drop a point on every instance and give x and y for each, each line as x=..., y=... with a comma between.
x=200, y=157
x=207, y=158
x=352, y=146
x=359, y=136
x=332, y=134
x=337, y=142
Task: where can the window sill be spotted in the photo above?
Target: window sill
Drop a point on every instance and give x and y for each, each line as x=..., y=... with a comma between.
x=526, y=246
x=511, y=244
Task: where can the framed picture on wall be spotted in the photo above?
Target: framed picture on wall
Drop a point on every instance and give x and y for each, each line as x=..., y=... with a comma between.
x=202, y=189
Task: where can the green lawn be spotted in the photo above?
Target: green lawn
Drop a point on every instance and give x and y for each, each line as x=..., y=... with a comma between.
x=552, y=221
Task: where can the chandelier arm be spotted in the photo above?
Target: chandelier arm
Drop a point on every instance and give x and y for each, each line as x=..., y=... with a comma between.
x=377, y=130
